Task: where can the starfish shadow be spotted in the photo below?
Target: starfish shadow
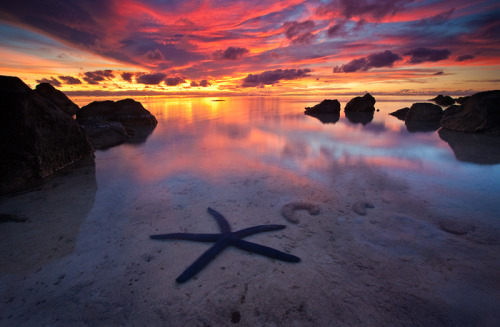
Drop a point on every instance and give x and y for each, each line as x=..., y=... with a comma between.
x=223, y=240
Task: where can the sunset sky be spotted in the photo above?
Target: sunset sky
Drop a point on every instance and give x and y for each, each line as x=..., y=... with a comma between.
x=220, y=47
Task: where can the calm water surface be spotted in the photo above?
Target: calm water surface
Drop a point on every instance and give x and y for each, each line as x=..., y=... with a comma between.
x=218, y=141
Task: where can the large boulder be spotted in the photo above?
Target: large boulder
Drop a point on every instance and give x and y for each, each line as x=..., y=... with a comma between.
x=443, y=100
x=424, y=112
x=128, y=112
x=476, y=148
x=104, y=134
x=365, y=103
x=325, y=107
x=57, y=97
x=37, y=137
x=400, y=113
x=479, y=114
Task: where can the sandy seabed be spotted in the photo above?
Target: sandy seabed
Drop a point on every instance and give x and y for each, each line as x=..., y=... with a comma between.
x=84, y=257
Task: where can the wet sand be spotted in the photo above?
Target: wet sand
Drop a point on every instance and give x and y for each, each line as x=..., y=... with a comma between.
x=84, y=258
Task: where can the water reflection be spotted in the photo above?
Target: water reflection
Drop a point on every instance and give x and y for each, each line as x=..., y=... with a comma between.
x=359, y=117
x=475, y=148
x=54, y=211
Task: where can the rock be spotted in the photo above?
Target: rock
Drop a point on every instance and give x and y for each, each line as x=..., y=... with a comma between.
x=288, y=210
x=57, y=97
x=325, y=107
x=359, y=117
x=361, y=206
x=462, y=100
x=127, y=111
x=421, y=126
x=479, y=114
x=473, y=147
x=443, y=100
x=104, y=134
x=37, y=137
x=426, y=112
x=451, y=110
x=400, y=113
x=361, y=104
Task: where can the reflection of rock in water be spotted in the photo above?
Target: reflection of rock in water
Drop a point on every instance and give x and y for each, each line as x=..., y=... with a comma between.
x=422, y=126
x=359, y=117
x=475, y=148
x=140, y=134
x=326, y=118
x=54, y=212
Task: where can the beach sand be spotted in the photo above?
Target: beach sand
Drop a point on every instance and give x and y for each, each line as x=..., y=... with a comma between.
x=85, y=258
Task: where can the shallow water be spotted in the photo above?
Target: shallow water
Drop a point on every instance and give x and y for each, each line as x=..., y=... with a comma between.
x=85, y=258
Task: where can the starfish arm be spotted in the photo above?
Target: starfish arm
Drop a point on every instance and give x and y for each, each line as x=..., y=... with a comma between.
x=221, y=221
x=203, y=260
x=257, y=229
x=188, y=237
x=263, y=250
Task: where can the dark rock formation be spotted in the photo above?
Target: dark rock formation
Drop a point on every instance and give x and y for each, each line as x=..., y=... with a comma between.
x=37, y=137
x=414, y=126
x=325, y=107
x=443, y=100
x=361, y=104
x=424, y=112
x=462, y=100
x=127, y=111
x=359, y=117
x=479, y=114
x=400, y=113
x=328, y=111
x=104, y=134
x=57, y=97
x=475, y=148
x=109, y=123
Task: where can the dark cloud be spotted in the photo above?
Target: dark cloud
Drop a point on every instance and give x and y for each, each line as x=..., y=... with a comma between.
x=438, y=73
x=204, y=83
x=299, y=33
x=173, y=81
x=230, y=53
x=97, y=76
x=194, y=84
x=70, y=80
x=465, y=58
x=126, y=76
x=336, y=30
x=274, y=76
x=151, y=79
x=52, y=81
x=420, y=55
x=154, y=55
x=376, y=9
x=375, y=60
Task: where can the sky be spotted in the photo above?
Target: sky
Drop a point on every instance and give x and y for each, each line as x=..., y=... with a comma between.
x=252, y=47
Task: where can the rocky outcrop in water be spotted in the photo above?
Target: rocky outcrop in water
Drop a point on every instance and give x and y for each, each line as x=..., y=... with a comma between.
x=325, y=107
x=400, y=113
x=424, y=112
x=128, y=112
x=37, y=137
x=365, y=103
x=479, y=114
x=443, y=100
x=109, y=123
x=57, y=97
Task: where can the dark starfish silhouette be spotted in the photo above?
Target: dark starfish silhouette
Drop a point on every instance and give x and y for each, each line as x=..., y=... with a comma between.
x=223, y=240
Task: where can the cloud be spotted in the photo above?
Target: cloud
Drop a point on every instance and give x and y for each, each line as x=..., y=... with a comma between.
x=420, y=55
x=438, y=73
x=70, y=80
x=151, y=79
x=377, y=9
x=465, y=58
x=299, y=33
x=438, y=19
x=173, y=81
x=97, y=76
x=231, y=53
x=194, y=84
x=126, y=76
x=386, y=58
x=52, y=81
x=274, y=76
x=204, y=83
x=154, y=55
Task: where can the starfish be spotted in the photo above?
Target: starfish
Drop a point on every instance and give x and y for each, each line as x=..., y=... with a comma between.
x=223, y=240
